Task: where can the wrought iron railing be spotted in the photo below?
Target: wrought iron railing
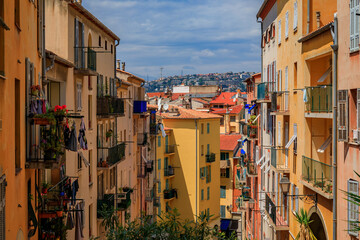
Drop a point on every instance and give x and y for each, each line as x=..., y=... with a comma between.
x=110, y=156
x=319, y=99
x=278, y=158
x=169, y=171
x=170, y=193
x=272, y=211
x=91, y=59
x=210, y=157
x=109, y=106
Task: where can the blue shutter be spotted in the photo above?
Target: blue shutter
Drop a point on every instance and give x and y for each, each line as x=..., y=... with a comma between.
x=208, y=149
x=76, y=43
x=222, y=211
x=159, y=188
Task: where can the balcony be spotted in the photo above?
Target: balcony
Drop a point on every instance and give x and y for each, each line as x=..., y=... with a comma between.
x=156, y=201
x=210, y=157
x=317, y=176
x=246, y=194
x=106, y=203
x=140, y=107
x=108, y=157
x=319, y=101
x=85, y=61
x=170, y=194
x=149, y=194
x=169, y=149
x=149, y=166
x=252, y=131
x=263, y=91
x=124, y=201
x=141, y=170
x=278, y=160
x=240, y=178
x=169, y=171
x=273, y=212
x=240, y=204
x=142, y=138
x=280, y=103
x=251, y=169
x=108, y=106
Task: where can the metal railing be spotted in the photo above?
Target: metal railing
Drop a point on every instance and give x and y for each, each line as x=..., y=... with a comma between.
x=317, y=173
x=278, y=158
x=109, y=106
x=169, y=171
x=124, y=202
x=252, y=131
x=210, y=157
x=110, y=156
x=169, y=149
x=142, y=138
x=272, y=210
x=319, y=99
x=170, y=193
x=280, y=102
x=264, y=89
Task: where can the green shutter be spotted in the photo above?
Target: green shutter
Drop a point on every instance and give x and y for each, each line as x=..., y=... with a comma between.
x=202, y=194
x=167, y=184
x=208, y=128
x=159, y=188
x=227, y=172
x=159, y=141
x=208, y=149
x=208, y=193
x=159, y=163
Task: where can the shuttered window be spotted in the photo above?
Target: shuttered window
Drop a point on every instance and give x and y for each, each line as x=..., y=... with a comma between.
x=353, y=209
x=208, y=128
x=78, y=96
x=2, y=207
x=222, y=191
x=202, y=194
x=358, y=108
x=296, y=199
x=222, y=211
x=279, y=32
x=343, y=115
x=279, y=133
x=208, y=193
x=354, y=25
x=295, y=23
x=286, y=25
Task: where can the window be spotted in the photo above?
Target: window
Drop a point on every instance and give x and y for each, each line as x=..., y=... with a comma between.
x=295, y=16
x=202, y=128
x=279, y=134
x=89, y=168
x=222, y=211
x=353, y=209
x=295, y=75
x=78, y=96
x=343, y=115
x=286, y=25
x=222, y=191
x=79, y=162
x=159, y=163
x=222, y=122
x=208, y=149
x=225, y=172
x=111, y=48
x=279, y=32
x=208, y=212
x=232, y=118
x=208, y=174
x=202, y=194
x=202, y=172
x=105, y=45
x=224, y=156
x=90, y=111
x=112, y=177
x=99, y=41
x=90, y=219
x=17, y=124
x=358, y=108
x=79, y=51
x=167, y=186
x=159, y=188
x=208, y=193
x=202, y=150
x=17, y=13
x=159, y=209
x=354, y=25
x=159, y=141
x=208, y=128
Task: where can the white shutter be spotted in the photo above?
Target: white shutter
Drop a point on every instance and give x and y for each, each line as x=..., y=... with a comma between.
x=279, y=133
x=296, y=199
x=279, y=32
x=353, y=209
x=343, y=115
x=295, y=16
x=280, y=81
x=358, y=108
x=352, y=17
x=356, y=25
x=286, y=25
x=275, y=77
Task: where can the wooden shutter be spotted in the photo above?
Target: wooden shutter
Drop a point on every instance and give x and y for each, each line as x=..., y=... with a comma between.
x=343, y=115
x=279, y=133
x=295, y=16
x=82, y=45
x=286, y=25
x=353, y=209
x=76, y=43
x=279, y=32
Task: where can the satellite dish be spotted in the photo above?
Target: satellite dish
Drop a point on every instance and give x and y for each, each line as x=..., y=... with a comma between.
x=166, y=106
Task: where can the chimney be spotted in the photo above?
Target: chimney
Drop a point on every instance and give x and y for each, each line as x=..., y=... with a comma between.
x=118, y=64
x=318, y=19
x=123, y=66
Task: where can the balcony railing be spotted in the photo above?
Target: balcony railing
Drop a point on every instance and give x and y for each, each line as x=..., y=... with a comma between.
x=169, y=171
x=251, y=167
x=140, y=106
x=280, y=102
x=156, y=201
x=210, y=157
x=110, y=156
x=240, y=178
x=124, y=200
x=278, y=159
x=149, y=194
x=169, y=149
x=252, y=131
x=106, y=203
x=91, y=59
x=317, y=174
x=264, y=89
x=142, y=138
x=85, y=61
x=141, y=170
x=319, y=99
x=109, y=106
x=170, y=193
x=272, y=211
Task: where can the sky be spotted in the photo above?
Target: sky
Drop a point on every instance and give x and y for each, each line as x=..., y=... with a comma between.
x=183, y=36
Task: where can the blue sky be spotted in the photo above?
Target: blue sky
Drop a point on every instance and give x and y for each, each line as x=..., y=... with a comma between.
x=193, y=36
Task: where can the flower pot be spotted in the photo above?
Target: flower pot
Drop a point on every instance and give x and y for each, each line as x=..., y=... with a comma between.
x=59, y=213
x=41, y=121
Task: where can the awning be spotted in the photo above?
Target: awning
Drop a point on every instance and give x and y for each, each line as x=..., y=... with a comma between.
x=224, y=224
x=324, y=76
x=292, y=139
x=325, y=145
x=224, y=164
x=262, y=158
x=86, y=162
x=237, y=148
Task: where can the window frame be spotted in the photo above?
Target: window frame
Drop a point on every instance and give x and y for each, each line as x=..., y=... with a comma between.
x=354, y=26
x=352, y=205
x=286, y=25
x=222, y=191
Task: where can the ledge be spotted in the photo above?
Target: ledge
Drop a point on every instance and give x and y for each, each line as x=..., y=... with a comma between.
x=318, y=115
x=317, y=190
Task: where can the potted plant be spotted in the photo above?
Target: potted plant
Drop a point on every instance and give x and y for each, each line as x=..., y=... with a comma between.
x=35, y=90
x=109, y=133
x=45, y=187
x=52, y=143
x=60, y=112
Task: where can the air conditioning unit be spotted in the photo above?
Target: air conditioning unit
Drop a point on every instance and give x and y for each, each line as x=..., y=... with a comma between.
x=356, y=135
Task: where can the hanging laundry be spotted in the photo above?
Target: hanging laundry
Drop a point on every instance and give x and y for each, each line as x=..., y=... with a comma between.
x=69, y=221
x=305, y=98
x=78, y=224
x=81, y=138
x=39, y=107
x=74, y=188
x=72, y=144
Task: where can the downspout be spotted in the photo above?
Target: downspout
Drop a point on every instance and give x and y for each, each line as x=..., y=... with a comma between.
x=308, y=17
x=196, y=171
x=43, y=55
x=116, y=44
x=261, y=111
x=116, y=182
x=334, y=123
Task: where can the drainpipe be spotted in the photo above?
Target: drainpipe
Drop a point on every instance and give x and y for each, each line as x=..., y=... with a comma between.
x=261, y=111
x=334, y=123
x=308, y=17
x=117, y=42
x=196, y=170
x=115, y=130
x=43, y=75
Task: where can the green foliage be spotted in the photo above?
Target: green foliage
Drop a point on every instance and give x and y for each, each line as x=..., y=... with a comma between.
x=169, y=226
x=303, y=219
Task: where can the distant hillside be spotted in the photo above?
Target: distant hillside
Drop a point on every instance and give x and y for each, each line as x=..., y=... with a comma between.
x=229, y=81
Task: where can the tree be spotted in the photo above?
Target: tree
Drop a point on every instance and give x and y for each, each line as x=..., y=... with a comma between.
x=169, y=227
x=305, y=232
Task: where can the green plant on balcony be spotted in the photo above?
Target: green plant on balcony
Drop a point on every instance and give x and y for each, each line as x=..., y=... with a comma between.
x=52, y=143
x=252, y=122
x=328, y=188
x=108, y=134
x=52, y=116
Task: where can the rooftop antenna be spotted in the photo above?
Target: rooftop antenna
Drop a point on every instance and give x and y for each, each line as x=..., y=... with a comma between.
x=161, y=69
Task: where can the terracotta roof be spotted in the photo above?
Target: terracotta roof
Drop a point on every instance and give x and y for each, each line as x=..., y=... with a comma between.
x=175, y=96
x=224, y=98
x=156, y=94
x=228, y=142
x=130, y=75
x=232, y=110
x=182, y=113
x=200, y=100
